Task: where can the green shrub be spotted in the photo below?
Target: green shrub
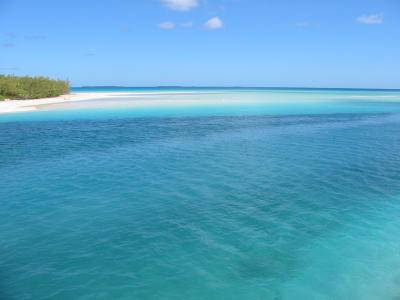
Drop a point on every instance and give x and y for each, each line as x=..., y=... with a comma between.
x=14, y=87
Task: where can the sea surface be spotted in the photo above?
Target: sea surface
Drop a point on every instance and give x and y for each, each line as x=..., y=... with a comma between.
x=221, y=193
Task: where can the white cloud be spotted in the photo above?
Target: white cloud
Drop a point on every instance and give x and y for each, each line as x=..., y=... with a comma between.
x=371, y=19
x=182, y=5
x=187, y=24
x=214, y=23
x=303, y=24
x=167, y=25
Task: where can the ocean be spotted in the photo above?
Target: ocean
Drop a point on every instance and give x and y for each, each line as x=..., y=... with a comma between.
x=206, y=193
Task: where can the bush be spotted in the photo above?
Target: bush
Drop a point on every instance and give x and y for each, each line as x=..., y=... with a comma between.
x=14, y=87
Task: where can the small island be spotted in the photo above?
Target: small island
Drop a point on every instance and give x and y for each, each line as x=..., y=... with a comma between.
x=26, y=87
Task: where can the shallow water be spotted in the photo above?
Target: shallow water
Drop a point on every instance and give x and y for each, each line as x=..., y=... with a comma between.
x=190, y=102
x=257, y=201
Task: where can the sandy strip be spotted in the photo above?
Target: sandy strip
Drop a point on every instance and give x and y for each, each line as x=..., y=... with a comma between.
x=145, y=99
x=12, y=106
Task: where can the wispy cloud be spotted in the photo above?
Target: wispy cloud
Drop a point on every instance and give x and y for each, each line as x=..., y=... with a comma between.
x=10, y=35
x=35, y=37
x=303, y=24
x=214, y=23
x=182, y=5
x=8, y=45
x=187, y=24
x=371, y=19
x=167, y=25
x=124, y=29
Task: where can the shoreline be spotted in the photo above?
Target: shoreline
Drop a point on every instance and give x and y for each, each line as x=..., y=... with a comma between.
x=152, y=99
x=15, y=106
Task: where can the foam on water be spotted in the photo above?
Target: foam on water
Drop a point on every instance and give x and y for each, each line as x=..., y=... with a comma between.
x=200, y=206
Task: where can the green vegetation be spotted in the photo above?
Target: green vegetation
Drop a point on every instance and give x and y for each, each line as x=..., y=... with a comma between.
x=14, y=87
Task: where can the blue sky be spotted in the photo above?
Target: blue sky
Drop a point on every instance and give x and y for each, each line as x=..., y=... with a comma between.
x=337, y=43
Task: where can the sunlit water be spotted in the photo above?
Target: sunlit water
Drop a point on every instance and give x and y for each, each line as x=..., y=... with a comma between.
x=282, y=194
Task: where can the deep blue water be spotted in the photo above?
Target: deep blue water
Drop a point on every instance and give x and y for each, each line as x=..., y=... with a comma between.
x=266, y=202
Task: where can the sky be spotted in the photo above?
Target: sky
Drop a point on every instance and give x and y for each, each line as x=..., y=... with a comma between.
x=296, y=43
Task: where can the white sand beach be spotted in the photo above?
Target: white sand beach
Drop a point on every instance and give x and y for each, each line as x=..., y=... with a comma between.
x=141, y=99
x=12, y=106
x=169, y=99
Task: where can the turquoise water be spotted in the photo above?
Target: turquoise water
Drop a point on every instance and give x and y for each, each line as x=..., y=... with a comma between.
x=203, y=102
x=297, y=197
